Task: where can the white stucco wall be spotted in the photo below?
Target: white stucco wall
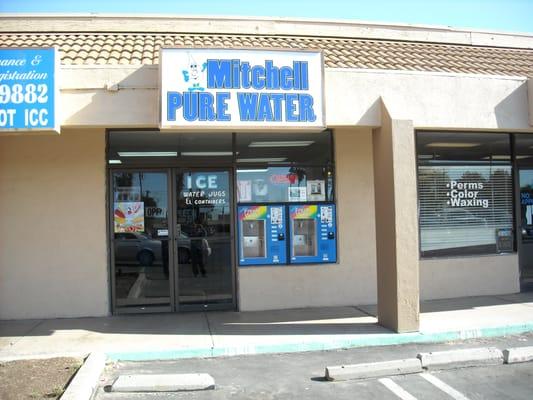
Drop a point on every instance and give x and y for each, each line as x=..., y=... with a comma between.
x=468, y=276
x=430, y=100
x=52, y=191
x=353, y=280
x=53, y=257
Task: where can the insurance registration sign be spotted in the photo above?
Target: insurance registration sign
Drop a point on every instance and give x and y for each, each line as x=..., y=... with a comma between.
x=29, y=89
x=241, y=89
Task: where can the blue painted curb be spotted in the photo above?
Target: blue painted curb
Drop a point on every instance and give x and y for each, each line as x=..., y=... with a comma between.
x=366, y=340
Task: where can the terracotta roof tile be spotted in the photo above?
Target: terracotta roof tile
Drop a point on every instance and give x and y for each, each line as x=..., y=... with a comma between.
x=130, y=48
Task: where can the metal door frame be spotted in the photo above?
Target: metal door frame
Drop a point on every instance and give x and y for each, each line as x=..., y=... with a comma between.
x=116, y=310
x=197, y=307
x=518, y=214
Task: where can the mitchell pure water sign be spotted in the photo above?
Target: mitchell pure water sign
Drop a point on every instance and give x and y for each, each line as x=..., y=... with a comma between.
x=28, y=89
x=217, y=88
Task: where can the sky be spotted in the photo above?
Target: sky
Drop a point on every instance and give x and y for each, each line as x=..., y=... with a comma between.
x=494, y=15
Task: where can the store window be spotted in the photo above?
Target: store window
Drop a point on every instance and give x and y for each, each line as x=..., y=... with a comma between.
x=281, y=168
x=284, y=184
x=154, y=148
x=465, y=193
x=285, y=194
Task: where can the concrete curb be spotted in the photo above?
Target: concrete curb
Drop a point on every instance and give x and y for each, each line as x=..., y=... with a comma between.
x=42, y=356
x=86, y=379
x=461, y=358
x=330, y=344
x=373, y=370
x=518, y=355
x=163, y=383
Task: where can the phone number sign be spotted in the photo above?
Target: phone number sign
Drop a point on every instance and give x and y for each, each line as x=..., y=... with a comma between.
x=29, y=89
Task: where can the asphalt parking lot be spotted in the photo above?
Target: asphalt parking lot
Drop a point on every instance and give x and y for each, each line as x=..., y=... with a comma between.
x=300, y=375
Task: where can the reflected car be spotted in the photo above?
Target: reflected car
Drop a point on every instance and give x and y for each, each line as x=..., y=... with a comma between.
x=461, y=216
x=451, y=216
x=135, y=248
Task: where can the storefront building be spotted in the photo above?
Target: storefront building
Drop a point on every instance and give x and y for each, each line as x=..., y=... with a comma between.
x=184, y=164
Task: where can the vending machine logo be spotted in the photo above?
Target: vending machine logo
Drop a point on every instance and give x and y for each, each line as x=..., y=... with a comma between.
x=305, y=212
x=253, y=213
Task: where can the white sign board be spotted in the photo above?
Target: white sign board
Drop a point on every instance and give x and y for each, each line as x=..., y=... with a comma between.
x=241, y=89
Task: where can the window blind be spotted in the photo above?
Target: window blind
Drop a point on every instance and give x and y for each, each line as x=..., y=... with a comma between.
x=463, y=208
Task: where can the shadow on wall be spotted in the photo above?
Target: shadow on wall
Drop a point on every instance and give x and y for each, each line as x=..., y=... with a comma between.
x=512, y=112
x=134, y=102
x=372, y=115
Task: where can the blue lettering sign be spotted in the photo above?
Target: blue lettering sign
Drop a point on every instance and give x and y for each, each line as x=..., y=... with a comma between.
x=219, y=74
x=273, y=90
x=198, y=106
x=234, y=74
x=28, y=89
x=247, y=106
x=526, y=199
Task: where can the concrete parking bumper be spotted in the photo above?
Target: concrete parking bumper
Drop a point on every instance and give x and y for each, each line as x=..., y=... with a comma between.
x=461, y=358
x=373, y=370
x=163, y=383
x=518, y=354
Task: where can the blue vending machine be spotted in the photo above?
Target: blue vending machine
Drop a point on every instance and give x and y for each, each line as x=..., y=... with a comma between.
x=262, y=234
x=313, y=233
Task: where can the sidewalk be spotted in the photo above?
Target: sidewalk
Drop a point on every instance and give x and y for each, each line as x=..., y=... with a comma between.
x=168, y=336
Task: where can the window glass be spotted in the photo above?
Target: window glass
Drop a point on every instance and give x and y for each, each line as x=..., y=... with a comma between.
x=465, y=194
x=140, y=226
x=463, y=147
x=293, y=147
x=165, y=148
x=524, y=148
x=284, y=184
x=526, y=204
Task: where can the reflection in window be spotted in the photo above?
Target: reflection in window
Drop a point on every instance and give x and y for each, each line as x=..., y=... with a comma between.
x=465, y=194
x=275, y=147
x=140, y=245
x=524, y=148
x=526, y=203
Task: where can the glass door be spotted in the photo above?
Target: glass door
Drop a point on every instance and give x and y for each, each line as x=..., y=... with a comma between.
x=203, y=240
x=526, y=228
x=140, y=241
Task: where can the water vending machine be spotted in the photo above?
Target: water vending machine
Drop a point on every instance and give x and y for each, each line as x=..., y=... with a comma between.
x=262, y=235
x=313, y=238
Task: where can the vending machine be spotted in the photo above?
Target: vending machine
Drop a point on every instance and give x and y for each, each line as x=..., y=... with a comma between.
x=312, y=233
x=262, y=234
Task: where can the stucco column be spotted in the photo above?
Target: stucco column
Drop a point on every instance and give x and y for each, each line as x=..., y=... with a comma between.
x=396, y=223
x=530, y=99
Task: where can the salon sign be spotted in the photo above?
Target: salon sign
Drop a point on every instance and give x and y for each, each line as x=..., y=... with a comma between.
x=232, y=89
x=29, y=90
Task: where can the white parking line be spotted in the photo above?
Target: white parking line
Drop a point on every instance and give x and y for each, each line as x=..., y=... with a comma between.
x=443, y=386
x=396, y=389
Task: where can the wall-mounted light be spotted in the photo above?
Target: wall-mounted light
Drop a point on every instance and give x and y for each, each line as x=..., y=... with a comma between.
x=147, y=153
x=244, y=171
x=293, y=143
x=258, y=160
x=453, y=144
x=206, y=153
